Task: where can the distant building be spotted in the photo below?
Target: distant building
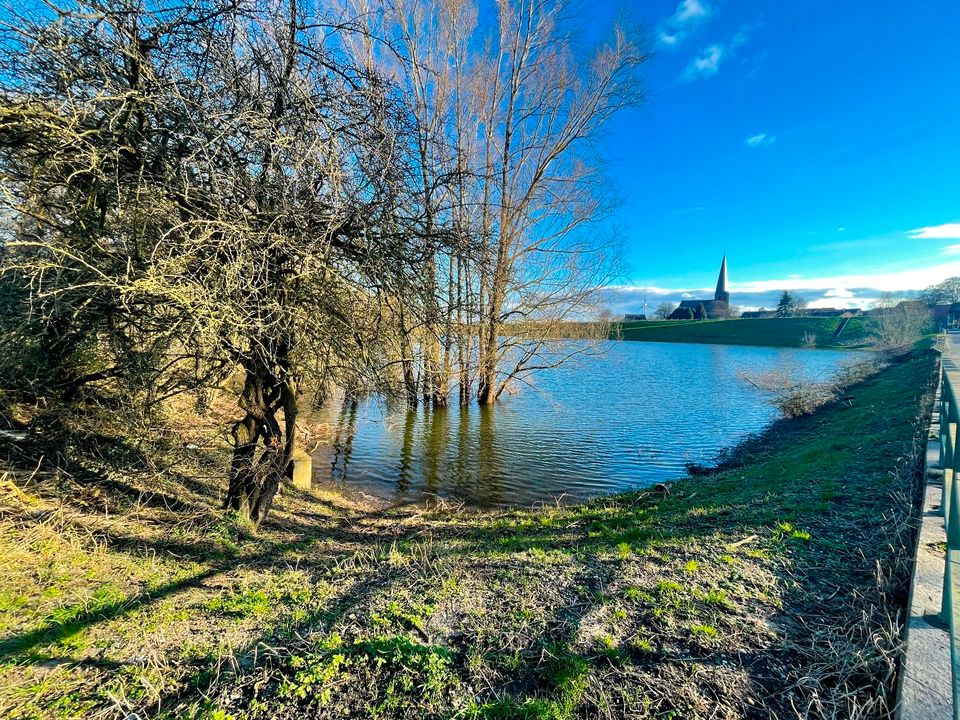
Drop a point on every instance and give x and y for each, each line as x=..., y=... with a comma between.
x=634, y=316
x=719, y=307
x=805, y=312
x=903, y=306
x=947, y=317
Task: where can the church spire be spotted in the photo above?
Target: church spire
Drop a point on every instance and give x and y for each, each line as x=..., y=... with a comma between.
x=722, y=294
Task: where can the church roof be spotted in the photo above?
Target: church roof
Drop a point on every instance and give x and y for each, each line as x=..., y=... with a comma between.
x=692, y=304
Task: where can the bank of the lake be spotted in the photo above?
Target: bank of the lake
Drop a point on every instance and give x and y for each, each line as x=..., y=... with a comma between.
x=774, y=332
x=771, y=589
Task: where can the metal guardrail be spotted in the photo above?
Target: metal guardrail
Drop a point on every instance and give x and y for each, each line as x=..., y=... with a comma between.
x=950, y=505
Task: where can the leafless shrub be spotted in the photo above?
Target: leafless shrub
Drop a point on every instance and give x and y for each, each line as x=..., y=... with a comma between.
x=795, y=394
x=896, y=324
x=791, y=393
x=809, y=340
x=858, y=371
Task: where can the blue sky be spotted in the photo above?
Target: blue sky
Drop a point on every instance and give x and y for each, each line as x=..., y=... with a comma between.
x=816, y=141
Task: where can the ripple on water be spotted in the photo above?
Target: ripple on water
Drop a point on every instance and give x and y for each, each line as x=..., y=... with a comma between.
x=627, y=418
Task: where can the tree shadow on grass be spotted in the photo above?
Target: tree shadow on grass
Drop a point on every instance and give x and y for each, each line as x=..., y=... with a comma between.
x=819, y=579
x=74, y=620
x=717, y=506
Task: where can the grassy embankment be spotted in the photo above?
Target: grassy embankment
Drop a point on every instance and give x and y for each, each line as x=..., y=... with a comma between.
x=768, y=589
x=780, y=332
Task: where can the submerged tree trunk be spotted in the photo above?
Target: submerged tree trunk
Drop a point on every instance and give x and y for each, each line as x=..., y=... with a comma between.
x=406, y=361
x=486, y=387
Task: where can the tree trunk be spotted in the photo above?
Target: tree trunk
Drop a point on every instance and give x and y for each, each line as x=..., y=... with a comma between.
x=255, y=478
x=406, y=362
x=487, y=392
x=486, y=389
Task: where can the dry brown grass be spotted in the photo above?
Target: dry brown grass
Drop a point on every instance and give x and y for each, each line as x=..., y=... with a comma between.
x=772, y=588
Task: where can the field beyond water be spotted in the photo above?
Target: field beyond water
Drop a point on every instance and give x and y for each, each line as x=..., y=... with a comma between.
x=777, y=332
x=771, y=587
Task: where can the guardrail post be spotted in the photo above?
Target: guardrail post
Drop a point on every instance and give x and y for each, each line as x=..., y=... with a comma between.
x=945, y=486
x=942, y=413
x=948, y=439
x=952, y=523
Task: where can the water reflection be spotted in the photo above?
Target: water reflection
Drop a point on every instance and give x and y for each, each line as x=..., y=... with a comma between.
x=628, y=418
x=344, y=437
x=406, y=453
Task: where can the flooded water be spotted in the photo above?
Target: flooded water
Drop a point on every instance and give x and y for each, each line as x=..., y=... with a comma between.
x=629, y=417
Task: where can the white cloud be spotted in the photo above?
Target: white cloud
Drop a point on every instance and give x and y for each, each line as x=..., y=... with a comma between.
x=952, y=249
x=691, y=10
x=947, y=231
x=706, y=64
x=861, y=301
x=761, y=140
x=674, y=29
x=838, y=293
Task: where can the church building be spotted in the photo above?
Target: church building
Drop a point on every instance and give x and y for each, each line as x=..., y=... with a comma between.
x=719, y=307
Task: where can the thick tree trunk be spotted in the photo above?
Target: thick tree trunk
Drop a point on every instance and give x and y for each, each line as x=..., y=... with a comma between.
x=255, y=471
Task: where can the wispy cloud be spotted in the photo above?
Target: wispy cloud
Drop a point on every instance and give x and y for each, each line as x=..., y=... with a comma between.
x=947, y=231
x=706, y=64
x=674, y=29
x=743, y=34
x=838, y=293
x=897, y=281
x=692, y=10
x=952, y=249
x=761, y=140
x=669, y=39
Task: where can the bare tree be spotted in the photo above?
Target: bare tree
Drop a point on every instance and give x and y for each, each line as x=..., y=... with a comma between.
x=664, y=310
x=540, y=105
x=943, y=293
x=504, y=192
x=895, y=323
x=372, y=196
x=212, y=185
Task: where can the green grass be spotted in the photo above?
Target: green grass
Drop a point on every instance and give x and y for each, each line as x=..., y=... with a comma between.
x=778, y=332
x=718, y=597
